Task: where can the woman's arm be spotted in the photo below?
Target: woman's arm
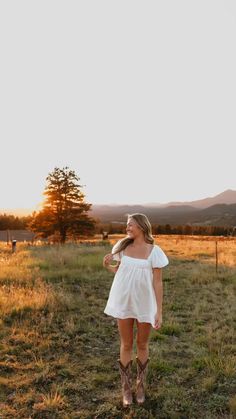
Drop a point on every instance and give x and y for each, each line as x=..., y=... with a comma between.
x=158, y=287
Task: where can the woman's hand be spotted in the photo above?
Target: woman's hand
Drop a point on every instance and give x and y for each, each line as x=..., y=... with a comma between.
x=158, y=321
x=107, y=259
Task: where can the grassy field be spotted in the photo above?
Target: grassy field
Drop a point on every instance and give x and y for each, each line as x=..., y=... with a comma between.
x=59, y=351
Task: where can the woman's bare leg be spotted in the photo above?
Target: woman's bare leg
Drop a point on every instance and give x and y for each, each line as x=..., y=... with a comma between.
x=125, y=327
x=143, y=334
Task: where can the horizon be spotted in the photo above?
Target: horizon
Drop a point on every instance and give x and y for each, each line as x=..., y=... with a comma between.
x=27, y=211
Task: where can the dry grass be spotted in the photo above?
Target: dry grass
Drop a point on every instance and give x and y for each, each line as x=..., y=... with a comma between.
x=58, y=349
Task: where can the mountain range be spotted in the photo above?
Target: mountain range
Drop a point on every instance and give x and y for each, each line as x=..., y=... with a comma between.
x=219, y=210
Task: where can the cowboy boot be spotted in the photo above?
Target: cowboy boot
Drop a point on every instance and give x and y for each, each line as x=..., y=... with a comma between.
x=126, y=383
x=141, y=374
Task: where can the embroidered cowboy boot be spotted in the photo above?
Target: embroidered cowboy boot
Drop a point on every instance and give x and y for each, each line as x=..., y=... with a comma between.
x=126, y=382
x=141, y=375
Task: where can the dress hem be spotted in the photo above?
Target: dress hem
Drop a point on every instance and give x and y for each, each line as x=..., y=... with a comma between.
x=117, y=315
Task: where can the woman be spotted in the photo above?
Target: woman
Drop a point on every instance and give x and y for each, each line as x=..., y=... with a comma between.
x=135, y=295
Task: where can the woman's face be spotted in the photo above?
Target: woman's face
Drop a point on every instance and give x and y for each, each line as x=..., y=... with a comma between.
x=133, y=230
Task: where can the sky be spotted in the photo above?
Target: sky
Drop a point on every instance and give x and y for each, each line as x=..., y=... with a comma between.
x=137, y=97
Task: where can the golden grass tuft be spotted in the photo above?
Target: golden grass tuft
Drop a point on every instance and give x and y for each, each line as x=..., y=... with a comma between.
x=50, y=402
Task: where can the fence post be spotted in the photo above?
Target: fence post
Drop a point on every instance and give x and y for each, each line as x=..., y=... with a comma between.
x=216, y=256
x=8, y=237
x=13, y=246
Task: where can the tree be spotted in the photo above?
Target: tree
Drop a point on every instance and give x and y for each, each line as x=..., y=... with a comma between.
x=11, y=222
x=64, y=211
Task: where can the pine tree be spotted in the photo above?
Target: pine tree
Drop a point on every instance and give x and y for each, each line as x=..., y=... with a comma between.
x=65, y=210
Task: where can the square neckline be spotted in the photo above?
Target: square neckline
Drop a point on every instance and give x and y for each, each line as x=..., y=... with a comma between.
x=139, y=258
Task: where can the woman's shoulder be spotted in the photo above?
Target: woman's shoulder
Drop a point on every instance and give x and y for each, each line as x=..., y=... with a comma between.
x=157, y=249
x=156, y=246
x=159, y=258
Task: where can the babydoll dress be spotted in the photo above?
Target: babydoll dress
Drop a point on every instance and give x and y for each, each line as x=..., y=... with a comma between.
x=132, y=294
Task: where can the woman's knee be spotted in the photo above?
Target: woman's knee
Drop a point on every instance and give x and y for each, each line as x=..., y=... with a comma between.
x=127, y=346
x=142, y=345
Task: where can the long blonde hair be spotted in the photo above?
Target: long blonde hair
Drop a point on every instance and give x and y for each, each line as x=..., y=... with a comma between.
x=145, y=225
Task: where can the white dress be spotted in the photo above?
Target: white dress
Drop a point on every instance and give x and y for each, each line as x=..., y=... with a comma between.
x=132, y=293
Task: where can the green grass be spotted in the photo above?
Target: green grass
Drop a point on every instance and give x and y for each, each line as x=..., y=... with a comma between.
x=59, y=351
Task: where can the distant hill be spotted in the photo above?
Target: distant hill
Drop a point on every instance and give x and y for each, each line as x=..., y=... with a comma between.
x=226, y=197
x=217, y=215
x=208, y=211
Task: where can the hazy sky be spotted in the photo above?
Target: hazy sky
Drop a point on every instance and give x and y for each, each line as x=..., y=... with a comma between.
x=138, y=97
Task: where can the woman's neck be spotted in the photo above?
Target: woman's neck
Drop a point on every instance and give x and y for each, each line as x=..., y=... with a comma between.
x=138, y=241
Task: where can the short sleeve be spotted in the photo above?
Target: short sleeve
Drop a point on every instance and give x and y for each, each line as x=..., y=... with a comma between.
x=117, y=256
x=159, y=258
